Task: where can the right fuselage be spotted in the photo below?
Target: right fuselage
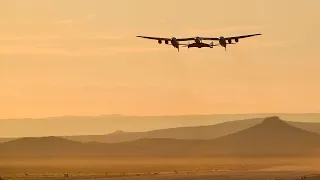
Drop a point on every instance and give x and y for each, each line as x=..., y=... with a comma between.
x=175, y=43
x=222, y=41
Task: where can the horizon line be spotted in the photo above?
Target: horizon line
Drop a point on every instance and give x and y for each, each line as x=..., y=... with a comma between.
x=165, y=115
x=100, y=134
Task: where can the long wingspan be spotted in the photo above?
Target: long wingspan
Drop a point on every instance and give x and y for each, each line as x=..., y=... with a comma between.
x=202, y=38
x=155, y=38
x=233, y=37
x=208, y=38
x=168, y=39
x=186, y=39
x=244, y=36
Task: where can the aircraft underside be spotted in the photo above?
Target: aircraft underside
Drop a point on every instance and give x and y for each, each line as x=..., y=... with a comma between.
x=199, y=45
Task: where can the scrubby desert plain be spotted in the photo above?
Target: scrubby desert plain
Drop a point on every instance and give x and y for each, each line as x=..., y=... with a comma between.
x=159, y=168
x=269, y=149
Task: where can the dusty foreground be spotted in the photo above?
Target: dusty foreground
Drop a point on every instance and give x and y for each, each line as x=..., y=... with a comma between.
x=160, y=169
x=239, y=175
x=230, y=176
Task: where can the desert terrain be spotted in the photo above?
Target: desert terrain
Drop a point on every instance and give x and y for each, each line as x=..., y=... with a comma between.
x=269, y=149
x=156, y=169
x=159, y=168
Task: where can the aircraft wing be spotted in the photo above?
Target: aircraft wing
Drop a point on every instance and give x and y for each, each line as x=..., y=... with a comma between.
x=241, y=37
x=193, y=38
x=233, y=37
x=155, y=38
x=168, y=39
x=209, y=38
x=185, y=39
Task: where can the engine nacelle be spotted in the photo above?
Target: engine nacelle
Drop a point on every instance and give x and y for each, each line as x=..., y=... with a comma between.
x=159, y=41
x=166, y=41
x=237, y=40
x=229, y=41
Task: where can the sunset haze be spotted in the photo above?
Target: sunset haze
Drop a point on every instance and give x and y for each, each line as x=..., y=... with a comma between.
x=136, y=89
x=77, y=57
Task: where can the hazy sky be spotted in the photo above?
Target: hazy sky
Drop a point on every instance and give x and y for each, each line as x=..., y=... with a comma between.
x=80, y=57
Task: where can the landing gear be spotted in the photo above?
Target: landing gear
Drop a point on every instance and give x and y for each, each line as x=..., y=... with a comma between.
x=225, y=47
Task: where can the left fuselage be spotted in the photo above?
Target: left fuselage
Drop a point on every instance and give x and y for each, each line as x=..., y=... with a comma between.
x=222, y=41
x=175, y=43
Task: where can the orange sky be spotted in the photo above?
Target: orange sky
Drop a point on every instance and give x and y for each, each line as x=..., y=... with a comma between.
x=60, y=57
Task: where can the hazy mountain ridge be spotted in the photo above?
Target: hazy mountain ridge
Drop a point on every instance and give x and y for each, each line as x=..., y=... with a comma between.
x=191, y=132
x=270, y=137
x=197, y=132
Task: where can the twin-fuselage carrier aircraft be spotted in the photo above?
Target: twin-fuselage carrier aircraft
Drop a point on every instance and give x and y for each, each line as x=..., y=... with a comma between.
x=223, y=41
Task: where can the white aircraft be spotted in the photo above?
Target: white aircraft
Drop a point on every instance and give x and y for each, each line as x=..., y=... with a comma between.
x=223, y=41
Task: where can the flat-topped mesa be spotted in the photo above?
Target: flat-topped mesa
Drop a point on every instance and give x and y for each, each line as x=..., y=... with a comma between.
x=274, y=124
x=274, y=121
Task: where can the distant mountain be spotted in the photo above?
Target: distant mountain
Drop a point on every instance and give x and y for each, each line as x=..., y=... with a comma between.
x=189, y=133
x=2, y=140
x=37, y=146
x=56, y=146
x=195, y=132
x=309, y=126
x=101, y=125
x=271, y=137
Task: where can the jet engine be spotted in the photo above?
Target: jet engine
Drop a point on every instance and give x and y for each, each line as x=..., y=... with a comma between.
x=237, y=40
x=166, y=41
x=159, y=41
x=229, y=41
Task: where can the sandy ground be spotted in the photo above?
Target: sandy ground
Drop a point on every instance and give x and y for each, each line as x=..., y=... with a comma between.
x=226, y=176
x=159, y=169
x=214, y=175
x=270, y=175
